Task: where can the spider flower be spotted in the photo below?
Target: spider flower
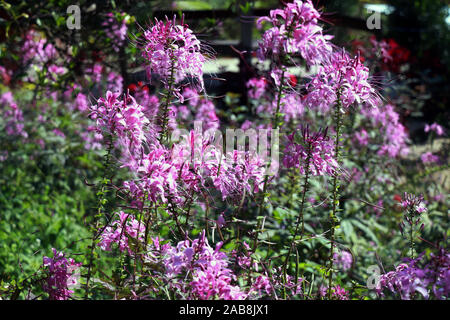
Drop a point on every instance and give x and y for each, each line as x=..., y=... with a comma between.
x=414, y=207
x=345, y=75
x=343, y=260
x=414, y=203
x=256, y=87
x=428, y=157
x=157, y=176
x=116, y=30
x=317, y=146
x=394, y=133
x=61, y=275
x=430, y=279
x=294, y=30
x=120, y=231
x=434, y=127
x=196, y=270
x=173, y=51
x=124, y=119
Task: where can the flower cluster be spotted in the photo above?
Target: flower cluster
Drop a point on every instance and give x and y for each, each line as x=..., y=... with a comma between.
x=207, y=268
x=382, y=49
x=414, y=207
x=313, y=147
x=123, y=119
x=120, y=231
x=343, y=260
x=337, y=292
x=141, y=93
x=42, y=55
x=12, y=115
x=294, y=30
x=189, y=166
x=409, y=279
x=256, y=87
x=92, y=138
x=394, y=133
x=61, y=275
x=95, y=72
x=114, y=82
x=413, y=203
x=36, y=49
x=362, y=137
x=173, y=51
x=206, y=112
x=291, y=106
x=262, y=286
x=239, y=172
x=157, y=176
x=428, y=157
x=435, y=128
x=195, y=108
x=115, y=30
x=161, y=173
x=231, y=173
x=344, y=77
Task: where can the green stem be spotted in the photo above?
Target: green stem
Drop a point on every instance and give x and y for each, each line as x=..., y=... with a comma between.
x=100, y=206
x=165, y=110
x=275, y=124
x=333, y=218
x=300, y=219
x=280, y=93
x=137, y=244
x=411, y=234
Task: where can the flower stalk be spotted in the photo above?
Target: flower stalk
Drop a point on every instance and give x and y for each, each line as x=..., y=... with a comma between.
x=275, y=124
x=300, y=219
x=165, y=109
x=413, y=209
x=101, y=194
x=333, y=217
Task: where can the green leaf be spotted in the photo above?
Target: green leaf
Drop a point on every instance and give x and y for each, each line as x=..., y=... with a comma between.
x=366, y=230
x=193, y=5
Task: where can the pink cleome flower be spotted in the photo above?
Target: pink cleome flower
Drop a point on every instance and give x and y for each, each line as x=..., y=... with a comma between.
x=61, y=274
x=116, y=30
x=196, y=270
x=124, y=119
x=172, y=49
x=394, y=133
x=120, y=231
x=434, y=127
x=428, y=157
x=321, y=151
x=343, y=74
x=343, y=260
x=294, y=31
x=256, y=87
